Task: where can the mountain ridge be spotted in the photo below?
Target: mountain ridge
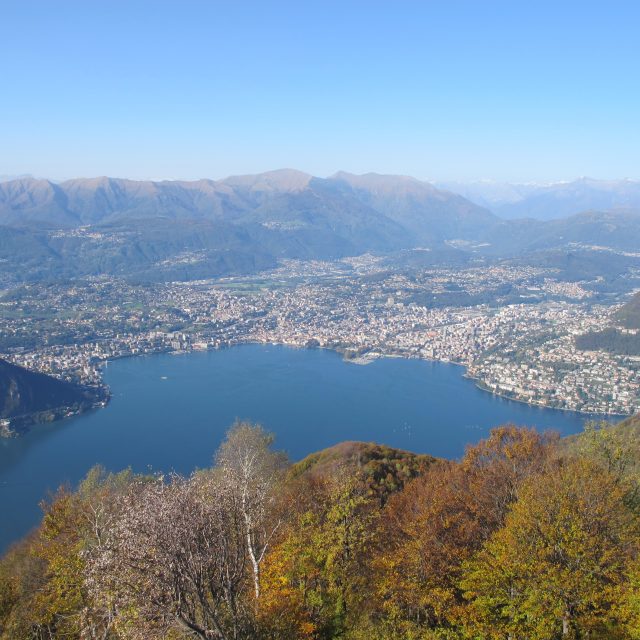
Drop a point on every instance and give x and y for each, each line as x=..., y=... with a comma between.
x=122, y=195
x=144, y=229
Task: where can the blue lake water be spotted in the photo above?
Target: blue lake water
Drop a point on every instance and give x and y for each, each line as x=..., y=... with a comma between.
x=170, y=412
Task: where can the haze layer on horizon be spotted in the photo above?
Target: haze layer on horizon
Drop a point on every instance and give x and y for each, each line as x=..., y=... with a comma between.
x=442, y=91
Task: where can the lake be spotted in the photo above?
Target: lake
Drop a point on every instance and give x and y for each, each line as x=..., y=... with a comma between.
x=170, y=412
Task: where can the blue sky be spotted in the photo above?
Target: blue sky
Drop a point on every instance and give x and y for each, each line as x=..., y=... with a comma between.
x=441, y=90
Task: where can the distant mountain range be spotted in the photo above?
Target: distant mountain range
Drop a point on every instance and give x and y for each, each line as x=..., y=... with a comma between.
x=27, y=397
x=173, y=230
x=285, y=198
x=550, y=201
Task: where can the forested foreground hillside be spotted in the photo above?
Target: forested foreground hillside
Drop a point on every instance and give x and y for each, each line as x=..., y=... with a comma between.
x=526, y=537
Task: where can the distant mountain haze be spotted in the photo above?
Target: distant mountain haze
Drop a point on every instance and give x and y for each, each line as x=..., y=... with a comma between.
x=429, y=213
x=174, y=230
x=550, y=201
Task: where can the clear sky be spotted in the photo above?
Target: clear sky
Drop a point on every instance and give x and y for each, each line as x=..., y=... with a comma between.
x=440, y=89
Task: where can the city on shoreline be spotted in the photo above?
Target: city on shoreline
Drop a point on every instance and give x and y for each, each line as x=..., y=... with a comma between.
x=513, y=328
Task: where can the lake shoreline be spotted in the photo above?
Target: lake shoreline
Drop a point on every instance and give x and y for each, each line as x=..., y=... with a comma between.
x=360, y=359
x=540, y=405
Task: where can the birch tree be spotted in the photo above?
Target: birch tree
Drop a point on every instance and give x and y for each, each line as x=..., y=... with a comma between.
x=250, y=472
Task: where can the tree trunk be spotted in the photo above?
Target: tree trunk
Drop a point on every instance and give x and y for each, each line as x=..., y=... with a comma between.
x=255, y=565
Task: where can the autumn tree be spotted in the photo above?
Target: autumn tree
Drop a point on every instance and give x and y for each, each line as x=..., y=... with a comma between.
x=438, y=521
x=629, y=606
x=556, y=565
x=62, y=596
x=49, y=578
x=317, y=566
x=496, y=468
x=22, y=574
x=617, y=449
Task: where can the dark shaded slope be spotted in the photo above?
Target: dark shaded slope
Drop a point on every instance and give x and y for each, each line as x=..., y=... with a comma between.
x=629, y=314
x=27, y=397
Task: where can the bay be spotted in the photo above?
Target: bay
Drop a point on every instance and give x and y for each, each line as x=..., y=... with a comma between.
x=170, y=412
